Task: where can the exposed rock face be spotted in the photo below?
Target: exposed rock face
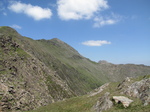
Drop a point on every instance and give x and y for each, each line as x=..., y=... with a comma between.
x=124, y=100
x=103, y=103
x=124, y=84
x=140, y=89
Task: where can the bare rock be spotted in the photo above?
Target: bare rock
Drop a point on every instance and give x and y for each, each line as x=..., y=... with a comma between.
x=122, y=99
x=103, y=103
x=98, y=90
x=140, y=89
x=3, y=87
x=124, y=84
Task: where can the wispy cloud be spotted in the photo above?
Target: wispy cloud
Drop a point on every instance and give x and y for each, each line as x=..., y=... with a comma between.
x=36, y=12
x=4, y=13
x=16, y=26
x=1, y=6
x=133, y=17
x=107, y=20
x=96, y=42
x=80, y=9
x=101, y=21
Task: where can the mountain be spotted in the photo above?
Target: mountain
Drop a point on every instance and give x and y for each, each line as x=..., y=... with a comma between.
x=34, y=73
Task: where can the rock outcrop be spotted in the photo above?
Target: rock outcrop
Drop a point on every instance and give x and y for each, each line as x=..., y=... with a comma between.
x=140, y=89
x=130, y=87
x=98, y=90
x=125, y=83
x=103, y=103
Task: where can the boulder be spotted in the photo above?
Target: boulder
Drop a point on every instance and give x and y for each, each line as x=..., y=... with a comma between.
x=122, y=99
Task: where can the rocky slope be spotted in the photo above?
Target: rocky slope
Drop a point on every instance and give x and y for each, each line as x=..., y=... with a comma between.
x=138, y=90
x=25, y=82
x=34, y=73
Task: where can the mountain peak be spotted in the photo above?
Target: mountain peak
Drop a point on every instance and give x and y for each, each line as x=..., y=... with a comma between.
x=8, y=30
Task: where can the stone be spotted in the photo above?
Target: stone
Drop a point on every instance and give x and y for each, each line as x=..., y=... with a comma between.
x=122, y=99
x=3, y=87
x=98, y=90
x=140, y=89
x=103, y=103
x=124, y=84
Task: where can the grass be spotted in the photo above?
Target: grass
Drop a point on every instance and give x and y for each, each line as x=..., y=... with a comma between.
x=76, y=104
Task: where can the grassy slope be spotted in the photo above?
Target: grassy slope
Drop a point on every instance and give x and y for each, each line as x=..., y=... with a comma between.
x=87, y=71
x=85, y=103
x=80, y=74
x=78, y=78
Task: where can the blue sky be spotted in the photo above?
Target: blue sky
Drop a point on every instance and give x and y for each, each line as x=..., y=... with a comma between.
x=114, y=30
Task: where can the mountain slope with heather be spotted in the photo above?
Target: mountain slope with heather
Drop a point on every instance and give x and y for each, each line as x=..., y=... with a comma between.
x=39, y=72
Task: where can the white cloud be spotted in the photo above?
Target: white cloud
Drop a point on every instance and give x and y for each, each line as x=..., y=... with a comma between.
x=36, y=12
x=106, y=20
x=95, y=43
x=16, y=26
x=80, y=9
x=101, y=21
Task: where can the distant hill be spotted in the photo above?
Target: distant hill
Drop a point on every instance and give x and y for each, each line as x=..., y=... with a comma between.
x=38, y=72
x=117, y=72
